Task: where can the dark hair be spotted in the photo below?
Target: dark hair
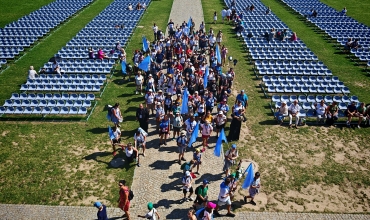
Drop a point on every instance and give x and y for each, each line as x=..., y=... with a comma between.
x=116, y=105
x=123, y=182
x=227, y=181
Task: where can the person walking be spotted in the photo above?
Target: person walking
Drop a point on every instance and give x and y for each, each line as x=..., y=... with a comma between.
x=116, y=115
x=140, y=141
x=230, y=156
x=254, y=189
x=102, y=211
x=116, y=140
x=181, y=143
x=187, y=180
x=142, y=115
x=164, y=130
x=202, y=194
x=224, y=198
x=197, y=158
x=124, y=202
x=152, y=214
x=206, y=133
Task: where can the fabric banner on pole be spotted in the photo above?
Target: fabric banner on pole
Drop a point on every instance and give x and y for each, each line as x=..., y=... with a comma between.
x=123, y=68
x=218, y=54
x=194, y=135
x=144, y=65
x=145, y=44
x=205, y=79
x=110, y=133
x=250, y=176
x=184, y=105
x=218, y=148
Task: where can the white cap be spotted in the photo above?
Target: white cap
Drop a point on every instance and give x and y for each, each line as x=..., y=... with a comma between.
x=187, y=173
x=150, y=90
x=220, y=112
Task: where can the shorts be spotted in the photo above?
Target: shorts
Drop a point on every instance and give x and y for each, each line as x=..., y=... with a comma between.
x=201, y=114
x=205, y=136
x=181, y=150
x=163, y=132
x=227, y=165
x=200, y=201
x=252, y=192
x=124, y=207
x=190, y=190
x=219, y=127
x=176, y=129
x=132, y=157
x=227, y=202
x=115, y=141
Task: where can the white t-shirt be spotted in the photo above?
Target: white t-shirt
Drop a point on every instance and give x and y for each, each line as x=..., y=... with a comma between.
x=32, y=74
x=320, y=109
x=129, y=152
x=149, y=98
x=207, y=215
x=294, y=108
x=201, y=107
x=222, y=195
x=237, y=107
x=155, y=29
x=190, y=125
x=139, y=139
x=223, y=13
x=206, y=129
x=139, y=79
x=177, y=122
x=151, y=214
x=187, y=180
x=220, y=120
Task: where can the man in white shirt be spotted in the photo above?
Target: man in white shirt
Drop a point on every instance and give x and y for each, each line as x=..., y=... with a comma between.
x=293, y=110
x=149, y=100
x=155, y=30
x=220, y=121
x=32, y=73
x=139, y=79
x=187, y=180
x=190, y=124
x=320, y=111
x=224, y=198
x=223, y=14
x=140, y=141
x=282, y=112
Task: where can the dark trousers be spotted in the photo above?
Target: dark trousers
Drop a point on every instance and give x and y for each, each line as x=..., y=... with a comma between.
x=144, y=125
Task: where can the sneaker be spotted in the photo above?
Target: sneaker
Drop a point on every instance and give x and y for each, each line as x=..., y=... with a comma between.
x=191, y=199
x=230, y=214
x=136, y=92
x=252, y=202
x=183, y=159
x=186, y=199
x=179, y=162
x=197, y=173
x=165, y=144
x=143, y=154
x=141, y=94
x=138, y=164
x=358, y=126
x=348, y=124
x=245, y=199
x=290, y=126
x=296, y=126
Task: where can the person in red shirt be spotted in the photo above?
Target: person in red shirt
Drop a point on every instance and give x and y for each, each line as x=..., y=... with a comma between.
x=124, y=202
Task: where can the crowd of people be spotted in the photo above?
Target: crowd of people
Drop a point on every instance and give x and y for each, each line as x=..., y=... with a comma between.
x=184, y=66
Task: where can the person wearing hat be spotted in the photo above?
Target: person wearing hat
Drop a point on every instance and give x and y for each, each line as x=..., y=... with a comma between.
x=281, y=112
x=223, y=106
x=140, y=141
x=175, y=108
x=202, y=194
x=164, y=130
x=152, y=214
x=233, y=185
x=187, y=180
x=230, y=156
x=102, y=211
x=159, y=114
x=139, y=80
x=159, y=97
x=253, y=189
x=208, y=211
x=179, y=99
x=190, y=124
x=181, y=143
x=220, y=120
x=178, y=122
x=197, y=157
x=210, y=102
x=123, y=201
x=149, y=100
x=293, y=110
x=206, y=133
x=243, y=98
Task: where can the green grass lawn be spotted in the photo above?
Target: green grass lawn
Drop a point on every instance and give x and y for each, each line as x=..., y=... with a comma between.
x=13, y=10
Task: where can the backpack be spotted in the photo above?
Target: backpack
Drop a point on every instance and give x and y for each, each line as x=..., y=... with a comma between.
x=183, y=166
x=130, y=195
x=109, y=114
x=197, y=190
x=200, y=213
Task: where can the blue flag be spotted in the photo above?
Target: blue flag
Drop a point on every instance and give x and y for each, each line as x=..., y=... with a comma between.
x=250, y=176
x=194, y=135
x=178, y=34
x=189, y=23
x=123, y=67
x=205, y=79
x=144, y=65
x=110, y=133
x=218, y=54
x=218, y=147
x=145, y=44
x=184, y=106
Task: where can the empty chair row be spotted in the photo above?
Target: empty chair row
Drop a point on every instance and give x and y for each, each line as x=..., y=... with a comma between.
x=73, y=76
x=68, y=82
x=72, y=88
x=314, y=98
x=44, y=110
x=284, y=83
x=43, y=103
x=79, y=65
x=296, y=79
x=305, y=89
x=81, y=70
x=297, y=72
x=282, y=56
x=53, y=96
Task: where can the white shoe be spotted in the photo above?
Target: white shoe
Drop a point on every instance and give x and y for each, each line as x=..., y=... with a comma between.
x=141, y=93
x=358, y=126
x=136, y=92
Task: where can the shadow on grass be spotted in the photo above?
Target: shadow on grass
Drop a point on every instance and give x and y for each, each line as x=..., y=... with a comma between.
x=95, y=156
x=98, y=130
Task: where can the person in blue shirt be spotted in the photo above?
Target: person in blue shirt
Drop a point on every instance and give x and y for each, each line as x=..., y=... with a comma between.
x=102, y=211
x=344, y=11
x=243, y=98
x=210, y=102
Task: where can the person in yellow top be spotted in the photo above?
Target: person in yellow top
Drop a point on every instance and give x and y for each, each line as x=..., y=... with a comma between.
x=207, y=117
x=178, y=99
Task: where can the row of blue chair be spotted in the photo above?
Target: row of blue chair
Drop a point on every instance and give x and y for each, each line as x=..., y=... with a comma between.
x=67, y=82
x=305, y=89
x=44, y=110
x=53, y=96
x=43, y=103
x=73, y=76
x=314, y=98
x=70, y=88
